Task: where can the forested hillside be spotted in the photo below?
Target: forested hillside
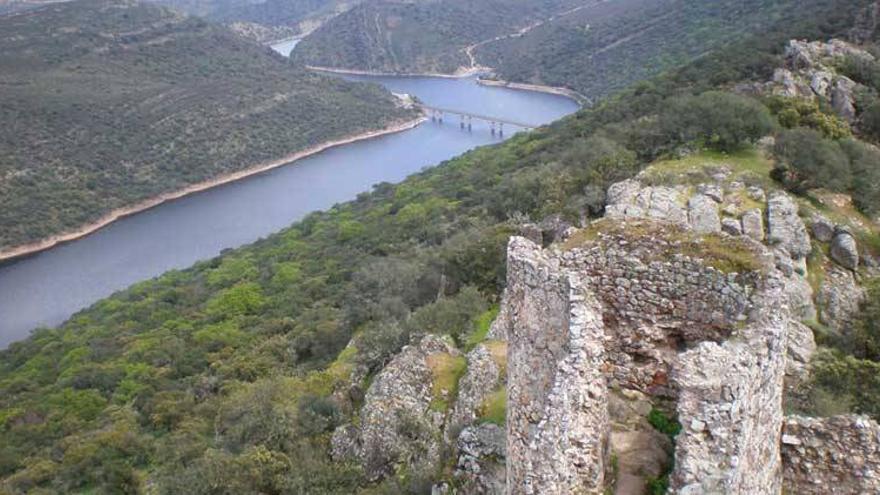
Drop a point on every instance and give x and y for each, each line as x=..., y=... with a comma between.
x=229, y=377
x=594, y=48
x=267, y=12
x=105, y=104
x=609, y=45
x=390, y=36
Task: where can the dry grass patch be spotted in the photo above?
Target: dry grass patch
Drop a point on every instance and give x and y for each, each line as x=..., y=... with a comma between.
x=446, y=371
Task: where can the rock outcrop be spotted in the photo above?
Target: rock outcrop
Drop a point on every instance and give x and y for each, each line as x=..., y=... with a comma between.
x=839, y=455
x=810, y=72
x=787, y=230
x=628, y=199
x=480, y=468
x=753, y=224
x=484, y=375
x=398, y=424
x=839, y=299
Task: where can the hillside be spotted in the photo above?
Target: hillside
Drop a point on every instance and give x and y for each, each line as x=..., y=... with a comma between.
x=299, y=15
x=404, y=37
x=108, y=104
x=594, y=48
x=345, y=354
x=609, y=45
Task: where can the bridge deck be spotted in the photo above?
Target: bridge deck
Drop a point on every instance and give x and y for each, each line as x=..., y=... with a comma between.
x=486, y=118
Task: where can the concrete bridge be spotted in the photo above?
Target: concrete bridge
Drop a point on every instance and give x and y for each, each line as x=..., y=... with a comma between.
x=466, y=119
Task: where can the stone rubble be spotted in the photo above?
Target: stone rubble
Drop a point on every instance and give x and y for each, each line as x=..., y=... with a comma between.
x=480, y=467
x=838, y=455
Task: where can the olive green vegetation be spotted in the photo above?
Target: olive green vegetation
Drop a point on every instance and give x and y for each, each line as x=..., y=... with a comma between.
x=846, y=372
x=269, y=13
x=610, y=45
x=446, y=371
x=481, y=328
x=670, y=427
x=494, y=407
x=105, y=104
x=392, y=36
x=230, y=376
x=594, y=48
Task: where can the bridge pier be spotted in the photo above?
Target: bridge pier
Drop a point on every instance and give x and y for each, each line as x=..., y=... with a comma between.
x=496, y=124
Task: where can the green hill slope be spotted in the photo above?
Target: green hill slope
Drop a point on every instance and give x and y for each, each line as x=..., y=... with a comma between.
x=229, y=377
x=609, y=45
x=106, y=104
x=267, y=13
x=389, y=36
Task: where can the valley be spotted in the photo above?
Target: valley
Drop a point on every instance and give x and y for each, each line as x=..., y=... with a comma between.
x=673, y=289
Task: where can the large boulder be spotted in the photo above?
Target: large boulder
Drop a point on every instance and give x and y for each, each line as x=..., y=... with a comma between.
x=628, y=199
x=823, y=229
x=731, y=226
x=801, y=344
x=787, y=230
x=843, y=98
x=703, y=214
x=753, y=224
x=844, y=249
x=839, y=299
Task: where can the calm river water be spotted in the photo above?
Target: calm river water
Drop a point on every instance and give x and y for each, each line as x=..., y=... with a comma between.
x=47, y=288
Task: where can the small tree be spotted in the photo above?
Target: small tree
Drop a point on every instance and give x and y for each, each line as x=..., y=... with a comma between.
x=718, y=120
x=807, y=161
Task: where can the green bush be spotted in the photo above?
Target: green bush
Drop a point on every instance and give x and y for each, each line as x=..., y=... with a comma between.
x=800, y=112
x=807, y=160
x=717, y=120
x=849, y=380
x=664, y=423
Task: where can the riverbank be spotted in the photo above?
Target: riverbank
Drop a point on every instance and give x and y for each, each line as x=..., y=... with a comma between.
x=553, y=90
x=461, y=73
x=120, y=213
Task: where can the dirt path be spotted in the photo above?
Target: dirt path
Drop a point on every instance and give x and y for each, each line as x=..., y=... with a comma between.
x=469, y=50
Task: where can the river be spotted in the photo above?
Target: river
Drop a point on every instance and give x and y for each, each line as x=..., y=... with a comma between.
x=47, y=288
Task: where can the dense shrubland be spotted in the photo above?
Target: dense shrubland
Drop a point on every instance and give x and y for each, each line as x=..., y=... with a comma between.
x=106, y=104
x=390, y=36
x=226, y=377
x=610, y=45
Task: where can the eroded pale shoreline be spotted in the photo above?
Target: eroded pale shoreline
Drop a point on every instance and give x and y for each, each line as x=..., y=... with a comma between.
x=463, y=73
x=539, y=88
x=120, y=213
